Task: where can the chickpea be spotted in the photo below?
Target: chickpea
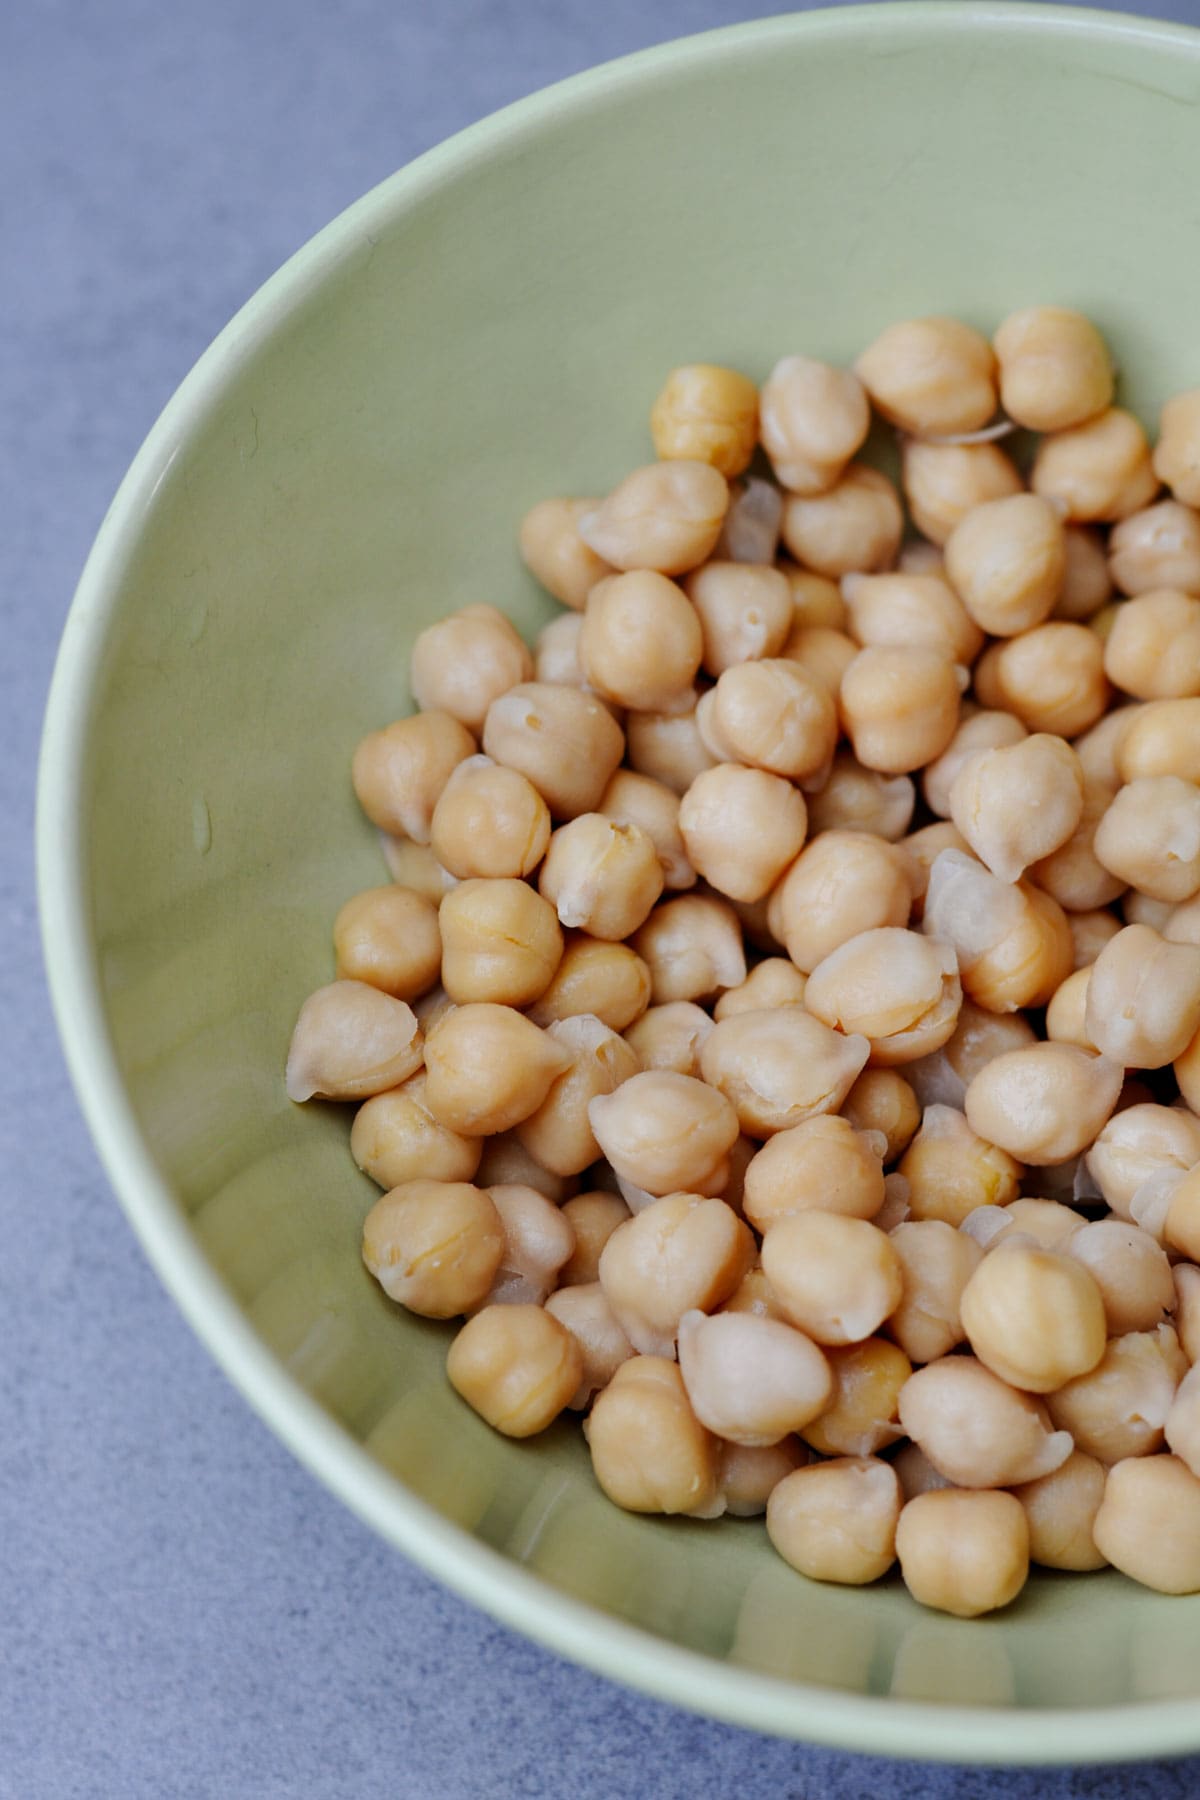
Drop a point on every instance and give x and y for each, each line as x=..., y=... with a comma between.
x=681, y=1254
x=752, y=916
x=1018, y=803
x=1162, y=738
x=895, y=1209
x=603, y=1346
x=837, y=1278
x=388, y=937
x=395, y=1139
x=917, y=1474
x=772, y=715
x=1187, y=1073
x=775, y=982
x=538, y=1240
x=666, y=516
x=1153, y=649
x=779, y=1066
x=1186, y=1280
x=1148, y=1525
x=1012, y=940
x=814, y=419
x=692, y=948
x=506, y=1163
x=858, y=799
x=856, y=524
x=555, y=554
x=754, y=1294
x=556, y=651
x=650, y=1454
x=816, y=599
x=749, y=1476
x=898, y=989
x=1178, y=924
x=821, y=1163
x=1098, y=748
x=706, y=414
x=1073, y=874
x=662, y=1131
x=1120, y=1407
x=415, y=866
x=1177, y=453
x=500, y=942
x=601, y=877
x=1034, y=1317
x=1043, y=1104
x=917, y=557
x=593, y=1217
x=670, y=1036
x=1181, y=1227
x=641, y=640
x=564, y=741
x=1090, y=931
x=1131, y=1271
x=882, y=1101
x=517, y=1366
x=351, y=1041
x=1053, y=678
x=434, y=1246
x=1150, y=836
x=744, y=612
x=751, y=530
x=936, y=1263
x=1137, y=1143
x=963, y=1553
x=558, y=1135
x=979, y=1037
x=899, y=706
x=977, y=1430
x=1097, y=470
x=1157, y=548
x=609, y=980
x=742, y=828
x=977, y=731
x=489, y=822
x=750, y=1379
x=1182, y=1429
x=1006, y=560
x=943, y=482
x=860, y=1417
x=1086, y=584
x=399, y=772
x=465, y=661
x=487, y=1068
x=632, y=799
x=951, y=1169
x=1060, y=1509
x=1066, y=1014
x=931, y=377
x=919, y=611
x=667, y=748
x=922, y=849
x=1055, y=369
x=1143, y=1003
x=836, y=1521
x=842, y=883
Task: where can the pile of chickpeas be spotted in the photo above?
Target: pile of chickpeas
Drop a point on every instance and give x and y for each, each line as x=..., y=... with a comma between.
x=780, y=1038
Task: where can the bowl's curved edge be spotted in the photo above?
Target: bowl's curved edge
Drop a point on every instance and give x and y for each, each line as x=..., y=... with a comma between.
x=622, y=1653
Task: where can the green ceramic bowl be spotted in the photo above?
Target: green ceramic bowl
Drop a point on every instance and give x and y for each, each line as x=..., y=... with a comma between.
x=349, y=461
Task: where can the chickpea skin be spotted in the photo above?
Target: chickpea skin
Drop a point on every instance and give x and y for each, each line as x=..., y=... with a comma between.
x=1099, y=470
x=666, y=516
x=742, y=828
x=517, y=1366
x=1013, y=943
x=836, y=1521
x=814, y=419
x=463, y=662
x=963, y=1553
x=931, y=377
x=1055, y=370
x=1006, y=560
x=706, y=414
x=434, y=1246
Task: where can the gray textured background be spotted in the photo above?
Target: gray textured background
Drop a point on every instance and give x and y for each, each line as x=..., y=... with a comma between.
x=183, y=1611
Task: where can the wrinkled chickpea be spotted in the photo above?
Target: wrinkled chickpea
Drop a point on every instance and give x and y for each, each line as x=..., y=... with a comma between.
x=1052, y=677
x=779, y=1066
x=489, y=822
x=517, y=1366
x=1153, y=648
x=951, y=1169
x=435, y=1246
x=556, y=555
x=773, y=715
x=896, y=988
x=666, y=516
x=775, y=982
x=742, y=828
x=706, y=414
x=1006, y=560
x=1055, y=370
x=856, y=524
x=1157, y=548
x=744, y=611
x=931, y=377
x=944, y=482
x=633, y=799
x=1043, y=1104
x=681, y=1254
x=836, y=1521
x=858, y=799
x=824, y=1163
x=1099, y=470
x=601, y=877
x=500, y=942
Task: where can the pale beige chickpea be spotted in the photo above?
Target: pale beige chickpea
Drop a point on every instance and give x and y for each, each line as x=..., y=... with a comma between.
x=433, y=1006
x=1018, y=803
x=662, y=1131
x=1047, y=1222
x=489, y=822
x=1149, y=836
x=666, y=516
x=601, y=877
x=921, y=850
x=1043, y=1104
x=399, y=772
x=1073, y=874
x=1182, y=1430
x=822, y=653
x=465, y=661
x=1139, y=1142
x=1148, y=1525
x=985, y=684
x=563, y=740
x=692, y=947
x=979, y=729
x=836, y=1521
x=1161, y=738
x=899, y=706
x=943, y=482
x=931, y=377
x=977, y=1430
x=1098, y=748
x=556, y=651
x=1186, y=1280
x=415, y=866
x=963, y=1553
x=1179, y=924
x=979, y=1037
x=705, y=413
x=898, y=989
x=633, y=799
x=856, y=524
x=1131, y=1271
x=650, y=1454
x=816, y=599
x=742, y=828
x=641, y=640
x=751, y=530
x=1087, y=585
x=538, y=1240
x=1177, y=453
x=1060, y=1509
x=555, y=554
x=1055, y=370
x=558, y=1135
x=780, y=1066
x=488, y=1067
x=1012, y=940
x=609, y=980
x=858, y=799
x=667, y=748
x=434, y=1246
x=1099, y=470
x=754, y=1294
x=1120, y=1407
x=1090, y=931
x=506, y=1162
x=1153, y=649
x=814, y=419
x=882, y=1101
x=951, y=1169
x=388, y=937
x=516, y=1366
x=1033, y=1316
x=670, y=1036
x=860, y=1416
x=1052, y=677
x=682, y=1253
x=1158, y=547
x=775, y=982
x=773, y=715
x=936, y=1263
x=1066, y=1015
x=593, y=1217
x=843, y=882
x=1143, y=1003
x=917, y=557
x=744, y=611
x=1006, y=560
x=823, y=1163
x=1181, y=1227
x=500, y=942
x=603, y=1346
x=749, y=1475
x=750, y=1379
x=837, y=1278
x=918, y=610
x=350, y=1041
x=395, y=1139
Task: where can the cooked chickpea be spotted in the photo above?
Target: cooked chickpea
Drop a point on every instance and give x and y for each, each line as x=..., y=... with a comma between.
x=1177, y=453
x=750, y=1379
x=751, y=530
x=942, y=1079
x=1099, y=470
x=951, y=1169
x=1006, y=560
x=593, y=1217
x=1098, y=749
x=921, y=611
x=775, y=982
x=836, y=1521
x=750, y=1475
x=415, y=866
x=742, y=828
x=1149, y=836
x=1087, y=585
x=856, y=524
x=601, y=877
x=824, y=1163
x=680, y=1254
x=395, y=1139
x=1187, y=1073
x=692, y=948
x=666, y=516
x=1033, y=1316
x=609, y=980
x=899, y=706
x=816, y=599
x=434, y=1246
x=1153, y=649
x=1161, y=738
x=858, y=799
x=351, y=1041
x=1055, y=370
x=1186, y=1280
x=516, y=1366
x=896, y=988
x=1012, y=940
x=882, y=1101
x=772, y=715
x=943, y=482
x=1182, y=1429
x=1143, y=1002
x=978, y=730
x=632, y=799
x=1066, y=1014
x=1138, y=1142
x=1018, y=803
x=1090, y=931
x=1181, y=1227
x=555, y=554
x=706, y=414
x=1120, y=1407
x=506, y=1163
x=1043, y=1104
x=963, y=1553
x=556, y=651
x=400, y=772
x=662, y=1131
x=489, y=822
x=977, y=1430
x=603, y=1346
x=1148, y=1525
x=667, y=748
x=1060, y=1509
x=563, y=740
x=931, y=377
x=388, y=937
x=500, y=942
x=744, y=611
x=558, y=1135
x=779, y=1066
x=641, y=640
x=538, y=1240
x=842, y=883
x=488, y=1067
x=650, y=1454
x=936, y=1262
x=814, y=419
x=917, y=1474
x=1157, y=548
x=1131, y=1271
x=1178, y=924
x=860, y=1417
x=1052, y=677
x=754, y=1294
x=1073, y=874
x=670, y=1036
x=837, y=1278
x=465, y=661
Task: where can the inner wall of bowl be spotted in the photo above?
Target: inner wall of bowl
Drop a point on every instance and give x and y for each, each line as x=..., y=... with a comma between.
x=495, y=333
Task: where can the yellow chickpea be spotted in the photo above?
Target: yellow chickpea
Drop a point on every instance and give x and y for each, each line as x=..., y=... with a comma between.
x=593, y=1217
x=1161, y=738
x=742, y=828
x=489, y=821
x=707, y=414
x=858, y=799
x=603, y=1346
x=662, y=1131
x=1177, y=453
x=1087, y=585
x=750, y=1379
x=822, y=653
x=564, y=741
x=900, y=990
x=814, y=419
x=1066, y=1015
x=837, y=1278
x=1099, y=470
x=681, y=1254
x=856, y=524
x=633, y=799
x=1153, y=649
x=666, y=516
x=822, y=1163
x=1043, y=1104
x=1055, y=370
x=1060, y=1509
x=931, y=377
x=744, y=612
x=1148, y=1524
x=936, y=1263
x=780, y=1066
x=1033, y=1316
x=641, y=641
x=1006, y=560
x=1131, y=1271
x=399, y=772
x=434, y=1246
x=899, y=706
x=1158, y=547
x=555, y=554
x=558, y=1135
x=882, y=1101
x=816, y=600
x=500, y=942
x=1053, y=678
x=1073, y=874
x=487, y=1068
x=517, y=1366
x=860, y=1417
x=951, y=1169
x=836, y=1521
x=1018, y=803
x=963, y=1553
x=650, y=1454
x=388, y=937
x=775, y=982
x=943, y=482
x=462, y=663
x=609, y=980
x=351, y=1041
x=773, y=715
x=395, y=1139
x=668, y=748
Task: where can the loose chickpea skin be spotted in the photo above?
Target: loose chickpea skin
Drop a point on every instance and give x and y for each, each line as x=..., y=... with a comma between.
x=558, y=1135
x=951, y=1169
x=705, y=413
x=692, y=948
x=415, y=866
x=816, y=599
x=899, y=706
x=837, y=1278
x=650, y=1454
x=752, y=1380
x=822, y=1163
x=1055, y=370
x=681, y=1254
x=772, y=715
x=742, y=828
x=814, y=419
x=609, y=980
x=641, y=640
x=858, y=799
x=931, y=377
x=666, y=516
x=633, y=799
x=860, y=1416
x=1012, y=940
x=487, y=1068
x=664, y=1132
x=500, y=942
x=749, y=1476
x=963, y=1553
x=896, y=988
x=842, y=883
x=1060, y=1509
x=564, y=741
x=351, y=1041
x=1099, y=470
x=395, y=1139
x=1090, y=931
x=882, y=1101
x=775, y=982
x=463, y=662
x=1157, y=548
x=434, y=1246
x=911, y=610
x=593, y=1217
x=555, y=554
x=1087, y=585
x=489, y=822
x=977, y=1430
x=399, y=772
x=1034, y=1317
x=1066, y=1015
x=744, y=611
x=517, y=1366
x=779, y=1066
x=667, y=748
x=856, y=525
x=979, y=1037
x=1043, y=1104
x=943, y=482
x=1143, y=1001
x=388, y=937
x=1148, y=1525
x=1177, y=453
x=601, y=877
x=602, y=1344
x=1052, y=677
x=1120, y=1407
x=1006, y=560
x=836, y=1521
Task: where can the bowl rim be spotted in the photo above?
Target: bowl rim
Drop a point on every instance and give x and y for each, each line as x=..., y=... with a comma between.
x=636, y=1658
